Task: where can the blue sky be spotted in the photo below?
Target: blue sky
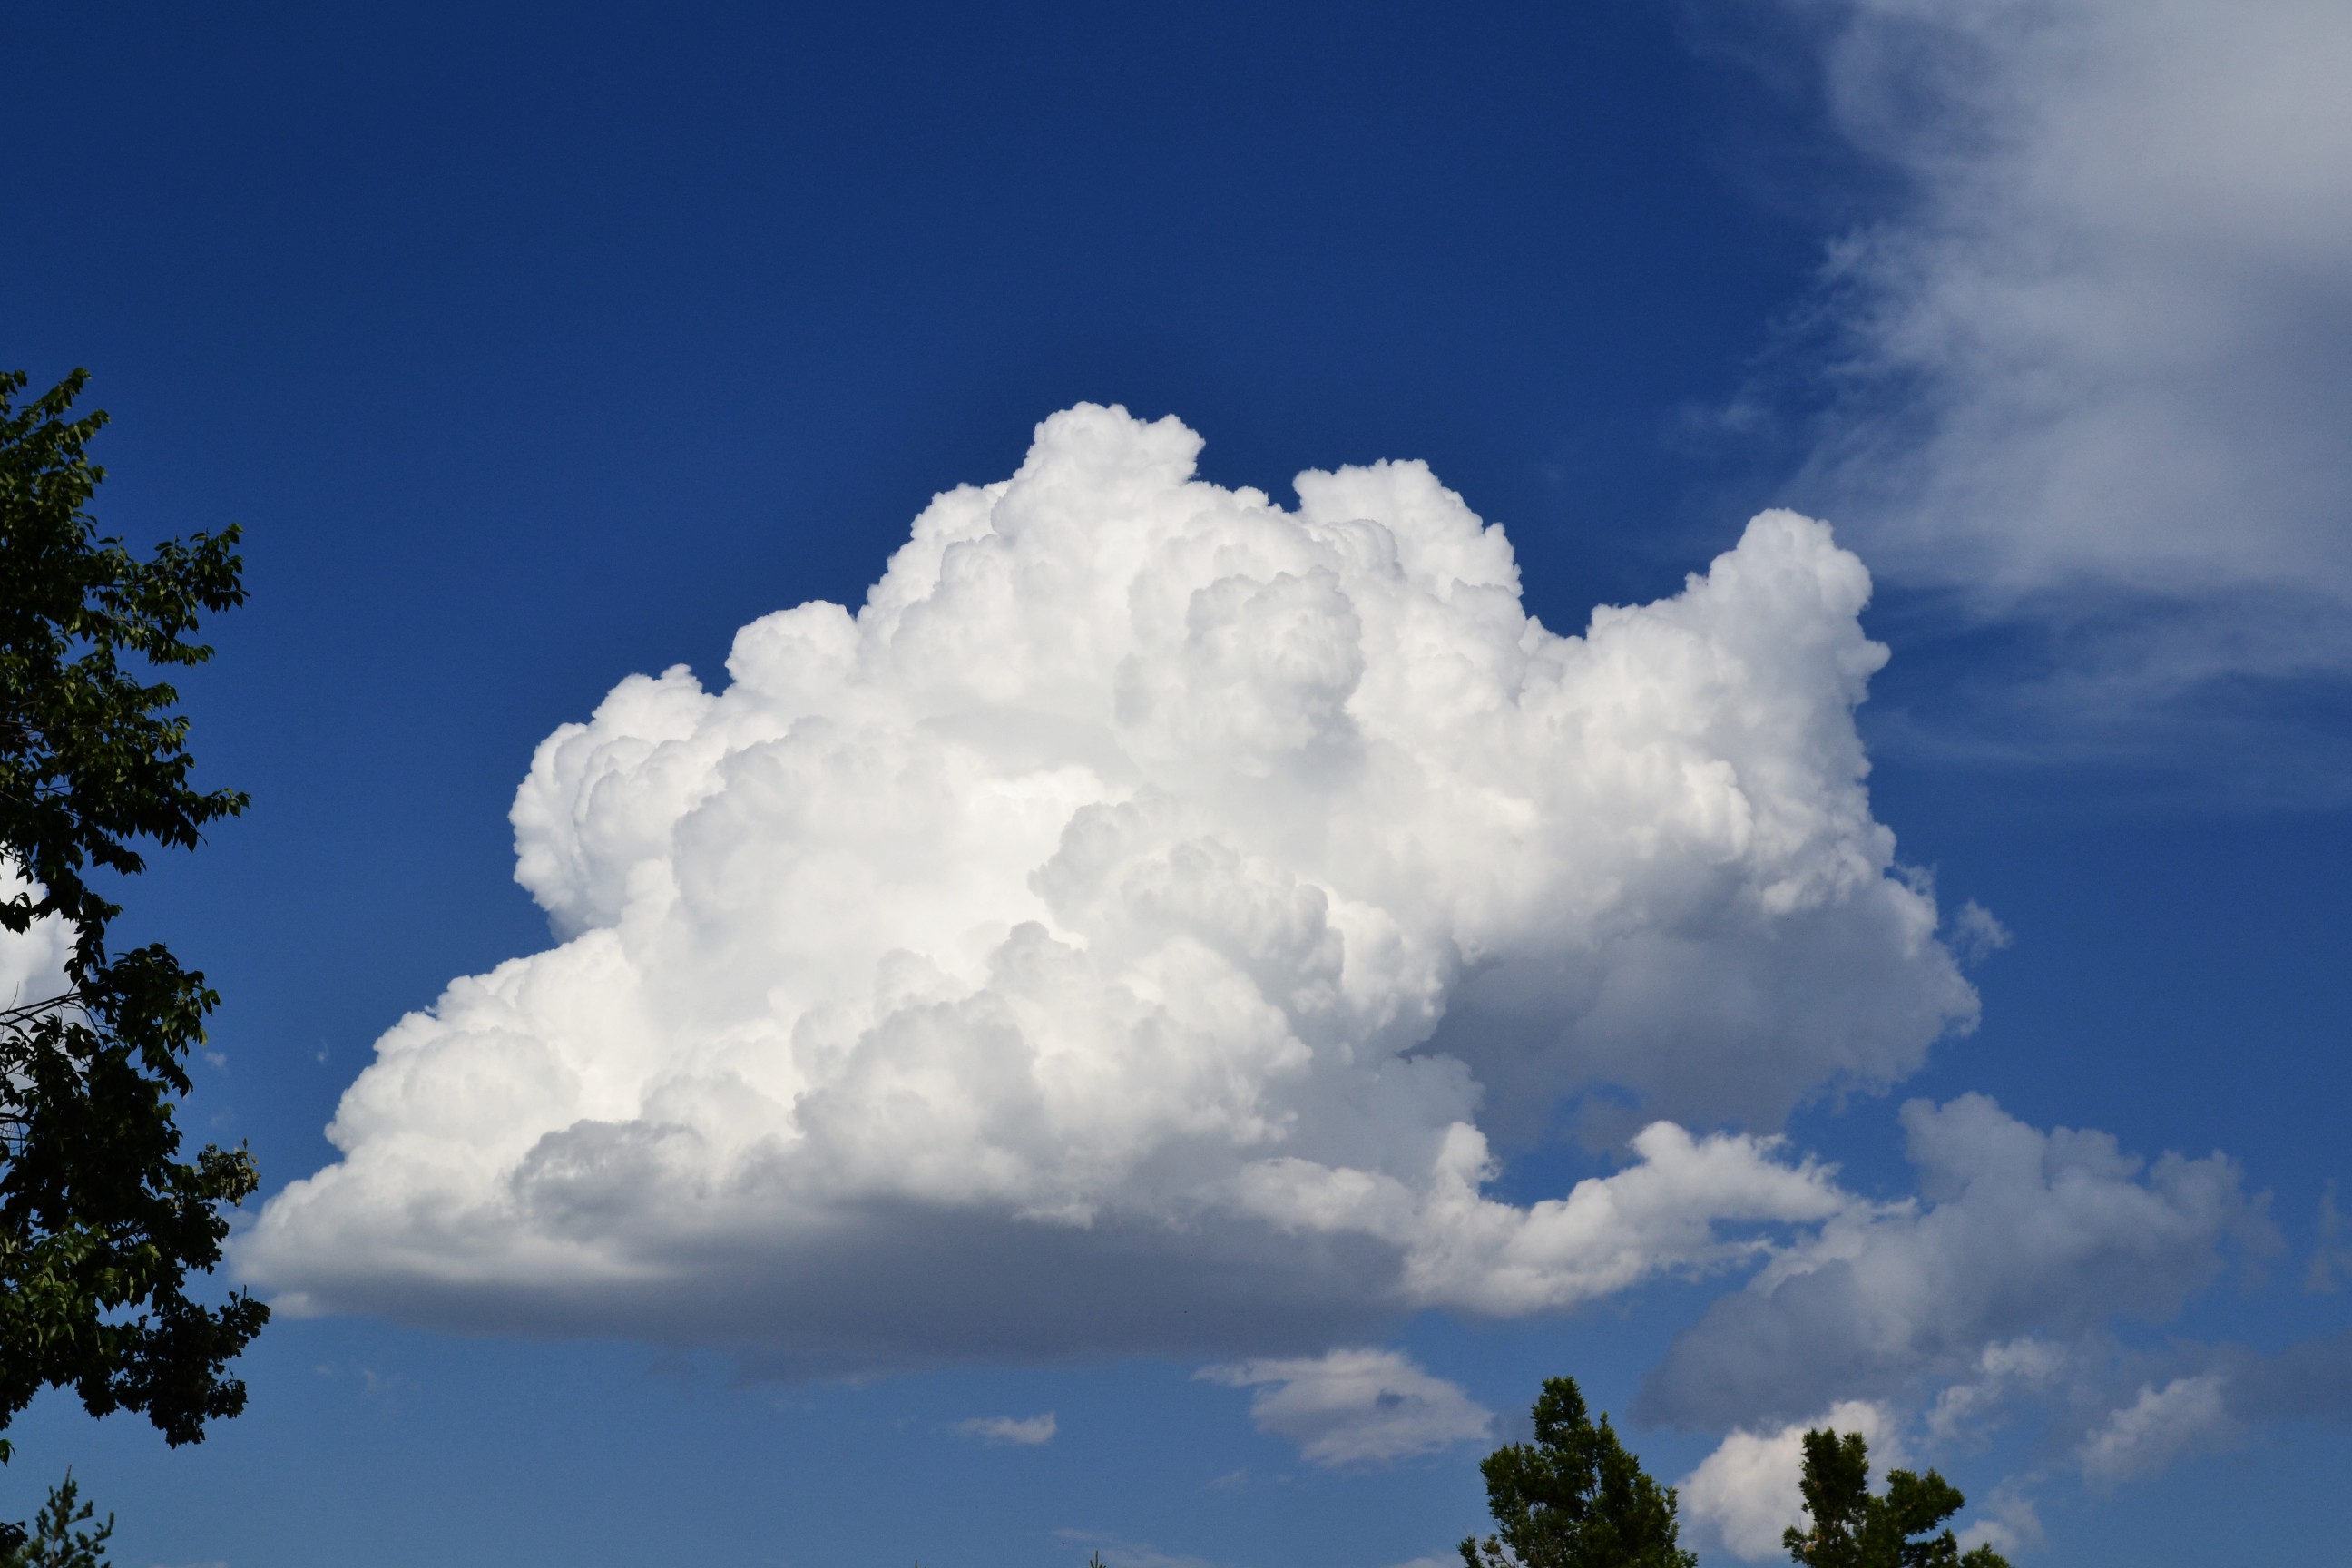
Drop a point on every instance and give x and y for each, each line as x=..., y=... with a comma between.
x=536, y=348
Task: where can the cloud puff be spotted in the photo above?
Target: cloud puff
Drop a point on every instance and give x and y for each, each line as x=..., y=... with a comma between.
x=1024, y=1431
x=1746, y=1493
x=2156, y=1428
x=2003, y=1373
x=2023, y=1232
x=1356, y=1406
x=2093, y=363
x=1107, y=937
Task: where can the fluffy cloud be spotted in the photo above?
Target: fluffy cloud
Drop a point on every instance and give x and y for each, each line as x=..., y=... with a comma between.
x=1108, y=936
x=1744, y=1493
x=2156, y=1428
x=2094, y=363
x=2023, y=1233
x=1356, y=1406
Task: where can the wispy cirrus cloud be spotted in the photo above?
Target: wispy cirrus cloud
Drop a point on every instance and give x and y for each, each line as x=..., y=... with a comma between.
x=2085, y=374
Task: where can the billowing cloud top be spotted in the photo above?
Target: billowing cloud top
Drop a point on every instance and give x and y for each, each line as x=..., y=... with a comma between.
x=1107, y=938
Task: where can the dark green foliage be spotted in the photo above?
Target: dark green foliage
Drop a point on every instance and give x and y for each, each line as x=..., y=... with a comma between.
x=1574, y=1498
x=101, y=1219
x=57, y=1539
x=1853, y=1529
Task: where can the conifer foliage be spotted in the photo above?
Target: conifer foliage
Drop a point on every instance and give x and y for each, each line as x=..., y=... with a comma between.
x=57, y=1539
x=1574, y=1498
x=1851, y=1528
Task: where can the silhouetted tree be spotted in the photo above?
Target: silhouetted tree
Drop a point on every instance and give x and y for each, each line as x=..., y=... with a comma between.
x=1574, y=1498
x=101, y=1220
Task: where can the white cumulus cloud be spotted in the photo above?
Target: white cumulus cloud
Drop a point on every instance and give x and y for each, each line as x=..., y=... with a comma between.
x=1125, y=929
x=1354, y=1407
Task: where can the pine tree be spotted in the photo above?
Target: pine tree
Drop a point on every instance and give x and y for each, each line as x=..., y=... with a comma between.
x=1574, y=1498
x=57, y=1539
x=1854, y=1528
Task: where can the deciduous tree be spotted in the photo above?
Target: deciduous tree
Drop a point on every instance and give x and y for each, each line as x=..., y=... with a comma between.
x=101, y=1220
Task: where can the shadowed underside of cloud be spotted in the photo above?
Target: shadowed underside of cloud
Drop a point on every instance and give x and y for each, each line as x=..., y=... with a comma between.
x=1106, y=939
x=2089, y=376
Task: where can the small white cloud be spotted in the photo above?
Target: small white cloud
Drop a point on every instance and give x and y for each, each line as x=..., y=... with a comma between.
x=1026, y=1431
x=1746, y=1493
x=1977, y=935
x=2157, y=1428
x=1356, y=1406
